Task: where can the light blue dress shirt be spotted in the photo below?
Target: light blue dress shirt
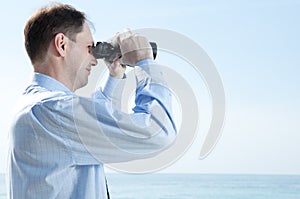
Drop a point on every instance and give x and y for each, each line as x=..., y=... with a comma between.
x=60, y=141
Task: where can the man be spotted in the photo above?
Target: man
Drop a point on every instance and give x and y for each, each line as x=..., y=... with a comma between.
x=60, y=141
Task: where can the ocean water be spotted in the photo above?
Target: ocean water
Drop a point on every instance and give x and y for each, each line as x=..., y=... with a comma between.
x=198, y=186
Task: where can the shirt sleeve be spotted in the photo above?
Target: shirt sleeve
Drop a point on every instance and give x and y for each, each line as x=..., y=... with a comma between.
x=97, y=130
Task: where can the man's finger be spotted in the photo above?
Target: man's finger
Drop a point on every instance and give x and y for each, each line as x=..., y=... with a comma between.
x=114, y=41
x=127, y=33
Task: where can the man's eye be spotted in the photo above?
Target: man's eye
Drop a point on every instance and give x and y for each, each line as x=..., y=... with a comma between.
x=90, y=48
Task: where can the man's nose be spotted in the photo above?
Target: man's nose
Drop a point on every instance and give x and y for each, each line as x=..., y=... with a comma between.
x=94, y=61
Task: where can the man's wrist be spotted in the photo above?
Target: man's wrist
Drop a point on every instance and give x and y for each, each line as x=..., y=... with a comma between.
x=118, y=76
x=113, y=86
x=145, y=62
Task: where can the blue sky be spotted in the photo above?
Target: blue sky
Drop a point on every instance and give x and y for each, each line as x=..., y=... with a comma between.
x=254, y=44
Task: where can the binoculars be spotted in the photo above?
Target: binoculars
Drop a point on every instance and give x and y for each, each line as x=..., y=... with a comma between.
x=105, y=50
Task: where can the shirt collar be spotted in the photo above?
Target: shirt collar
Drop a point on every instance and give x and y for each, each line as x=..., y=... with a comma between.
x=49, y=83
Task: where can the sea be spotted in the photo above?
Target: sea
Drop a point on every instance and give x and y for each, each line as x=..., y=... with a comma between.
x=197, y=186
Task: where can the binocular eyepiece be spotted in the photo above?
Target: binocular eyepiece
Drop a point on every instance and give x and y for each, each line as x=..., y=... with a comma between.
x=105, y=50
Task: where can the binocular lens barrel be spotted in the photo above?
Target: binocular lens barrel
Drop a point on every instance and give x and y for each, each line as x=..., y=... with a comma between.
x=104, y=50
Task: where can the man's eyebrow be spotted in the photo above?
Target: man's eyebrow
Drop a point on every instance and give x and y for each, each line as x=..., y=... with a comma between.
x=90, y=43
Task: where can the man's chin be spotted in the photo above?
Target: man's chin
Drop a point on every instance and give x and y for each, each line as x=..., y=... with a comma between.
x=80, y=85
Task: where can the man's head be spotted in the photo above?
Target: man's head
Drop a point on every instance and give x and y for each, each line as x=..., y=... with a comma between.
x=59, y=43
x=45, y=23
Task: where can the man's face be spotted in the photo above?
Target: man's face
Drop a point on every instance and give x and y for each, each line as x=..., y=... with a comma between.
x=80, y=58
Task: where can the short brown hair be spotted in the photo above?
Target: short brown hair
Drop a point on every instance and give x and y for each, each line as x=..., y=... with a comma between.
x=48, y=21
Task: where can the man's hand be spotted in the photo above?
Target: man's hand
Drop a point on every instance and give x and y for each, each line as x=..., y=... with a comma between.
x=116, y=69
x=134, y=48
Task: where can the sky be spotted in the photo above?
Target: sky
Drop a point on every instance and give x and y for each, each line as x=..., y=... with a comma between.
x=254, y=45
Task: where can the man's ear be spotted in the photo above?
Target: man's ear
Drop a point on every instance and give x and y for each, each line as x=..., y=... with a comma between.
x=60, y=41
